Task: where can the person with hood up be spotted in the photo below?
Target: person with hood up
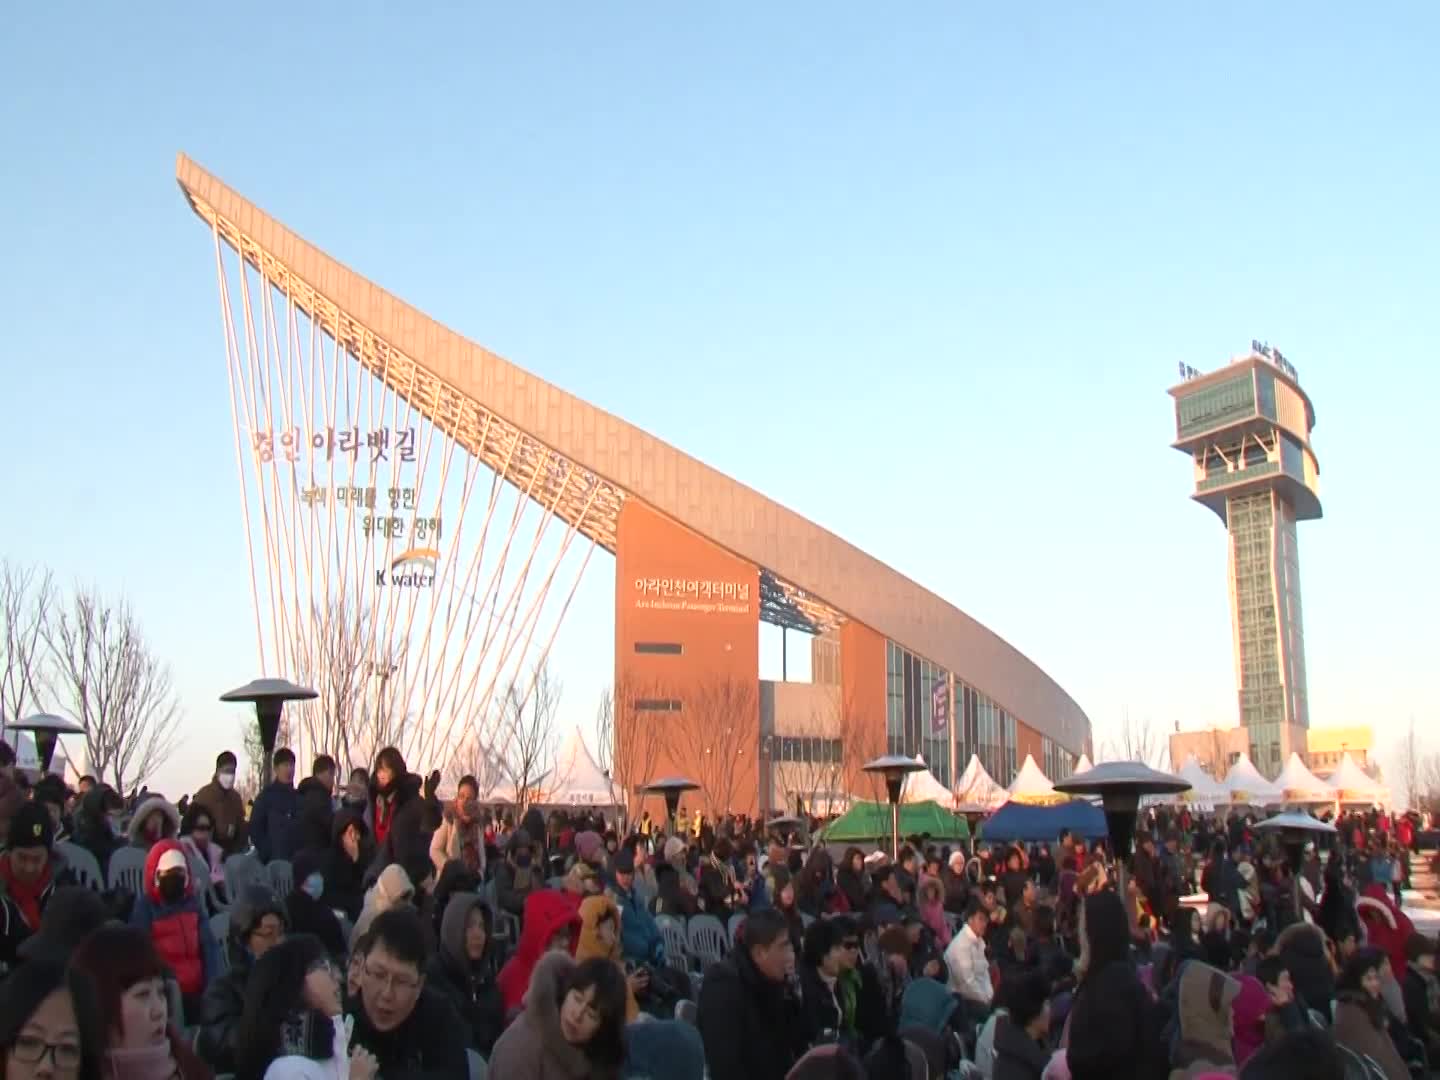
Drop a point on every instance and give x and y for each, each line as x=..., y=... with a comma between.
x=463, y=970
x=170, y=913
x=226, y=807
x=154, y=820
x=397, y=809
x=1113, y=1028
x=392, y=889
x=344, y=863
x=572, y=1027
x=460, y=835
x=275, y=818
x=257, y=925
x=551, y=923
x=308, y=910
x=518, y=876
x=30, y=872
x=97, y=824
x=600, y=938
x=1206, y=1023
x=1301, y=949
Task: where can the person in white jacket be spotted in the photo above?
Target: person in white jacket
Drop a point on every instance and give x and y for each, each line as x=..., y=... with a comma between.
x=293, y=1028
x=966, y=962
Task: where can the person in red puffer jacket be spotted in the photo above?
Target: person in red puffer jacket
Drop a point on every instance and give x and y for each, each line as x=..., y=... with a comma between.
x=169, y=912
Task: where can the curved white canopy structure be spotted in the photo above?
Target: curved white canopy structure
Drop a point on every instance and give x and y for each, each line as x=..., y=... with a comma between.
x=923, y=787
x=1033, y=787
x=977, y=792
x=1247, y=787
x=1351, y=784
x=1084, y=765
x=1298, y=784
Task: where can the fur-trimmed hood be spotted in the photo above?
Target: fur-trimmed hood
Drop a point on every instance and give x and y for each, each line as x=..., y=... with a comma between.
x=148, y=807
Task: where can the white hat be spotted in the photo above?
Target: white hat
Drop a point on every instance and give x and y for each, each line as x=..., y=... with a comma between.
x=173, y=859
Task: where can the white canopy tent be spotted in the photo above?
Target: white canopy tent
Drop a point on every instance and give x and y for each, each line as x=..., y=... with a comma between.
x=1351, y=784
x=1205, y=792
x=574, y=781
x=26, y=758
x=1033, y=787
x=1298, y=784
x=1247, y=787
x=977, y=791
x=923, y=787
x=1084, y=765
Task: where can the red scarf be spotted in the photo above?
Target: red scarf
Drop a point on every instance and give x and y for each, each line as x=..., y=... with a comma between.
x=26, y=897
x=384, y=811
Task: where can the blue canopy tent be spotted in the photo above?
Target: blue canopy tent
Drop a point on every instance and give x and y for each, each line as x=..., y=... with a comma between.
x=1037, y=824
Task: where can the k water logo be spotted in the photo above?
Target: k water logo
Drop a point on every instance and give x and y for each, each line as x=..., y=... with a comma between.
x=413, y=569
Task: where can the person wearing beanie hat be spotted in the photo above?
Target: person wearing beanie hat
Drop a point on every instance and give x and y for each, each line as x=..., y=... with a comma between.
x=226, y=806
x=30, y=872
x=257, y=925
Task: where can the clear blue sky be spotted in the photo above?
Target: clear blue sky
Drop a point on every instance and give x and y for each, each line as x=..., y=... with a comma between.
x=924, y=275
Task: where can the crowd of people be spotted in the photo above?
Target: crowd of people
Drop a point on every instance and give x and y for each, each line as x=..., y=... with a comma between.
x=361, y=926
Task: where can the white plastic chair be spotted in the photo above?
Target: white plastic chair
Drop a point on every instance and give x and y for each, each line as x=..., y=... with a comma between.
x=220, y=931
x=127, y=870
x=478, y=1069
x=707, y=940
x=242, y=871
x=83, y=865
x=677, y=945
x=282, y=878
x=736, y=921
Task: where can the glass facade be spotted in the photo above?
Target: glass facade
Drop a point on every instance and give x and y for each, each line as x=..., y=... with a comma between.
x=909, y=713
x=1056, y=762
x=1215, y=406
x=986, y=730
x=1265, y=594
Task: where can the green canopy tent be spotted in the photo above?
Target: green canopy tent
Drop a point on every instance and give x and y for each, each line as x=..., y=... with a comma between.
x=871, y=821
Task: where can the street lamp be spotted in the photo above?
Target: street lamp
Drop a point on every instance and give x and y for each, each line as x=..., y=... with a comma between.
x=1296, y=828
x=46, y=729
x=671, y=787
x=1120, y=784
x=269, y=697
x=894, y=768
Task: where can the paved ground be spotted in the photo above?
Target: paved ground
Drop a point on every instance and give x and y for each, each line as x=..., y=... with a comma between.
x=1422, y=899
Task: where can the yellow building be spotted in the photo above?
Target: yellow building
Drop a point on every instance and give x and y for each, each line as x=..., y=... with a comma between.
x=1329, y=745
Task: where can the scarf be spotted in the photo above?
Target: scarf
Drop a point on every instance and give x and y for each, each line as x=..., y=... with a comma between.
x=467, y=819
x=384, y=812
x=146, y=1063
x=25, y=896
x=308, y=1034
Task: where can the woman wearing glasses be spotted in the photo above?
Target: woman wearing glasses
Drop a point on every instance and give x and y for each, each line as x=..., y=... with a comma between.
x=49, y=1024
x=293, y=1029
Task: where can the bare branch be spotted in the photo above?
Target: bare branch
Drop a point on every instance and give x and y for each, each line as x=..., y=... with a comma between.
x=114, y=687
x=1137, y=740
x=639, y=741
x=719, y=722
x=527, y=742
x=1410, y=764
x=605, y=732
x=26, y=596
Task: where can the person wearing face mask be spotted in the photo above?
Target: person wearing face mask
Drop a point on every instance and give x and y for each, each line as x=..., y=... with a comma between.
x=309, y=909
x=141, y=1038
x=170, y=913
x=517, y=877
x=226, y=807
x=293, y=1027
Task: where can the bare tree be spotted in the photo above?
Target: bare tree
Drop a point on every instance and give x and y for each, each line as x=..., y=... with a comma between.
x=814, y=774
x=862, y=739
x=720, y=722
x=639, y=739
x=605, y=732
x=1427, y=779
x=526, y=735
x=1410, y=764
x=114, y=687
x=356, y=714
x=476, y=756
x=248, y=785
x=1136, y=740
x=26, y=595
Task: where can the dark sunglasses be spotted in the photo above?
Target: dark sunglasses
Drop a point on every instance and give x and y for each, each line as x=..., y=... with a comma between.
x=850, y=943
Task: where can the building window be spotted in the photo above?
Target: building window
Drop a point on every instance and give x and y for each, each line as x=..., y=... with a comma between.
x=657, y=705
x=659, y=648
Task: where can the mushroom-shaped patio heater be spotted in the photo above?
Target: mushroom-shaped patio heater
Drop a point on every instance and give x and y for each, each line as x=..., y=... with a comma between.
x=671, y=787
x=46, y=729
x=786, y=825
x=894, y=767
x=1296, y=829
x=1120, y=784
x=269, y=697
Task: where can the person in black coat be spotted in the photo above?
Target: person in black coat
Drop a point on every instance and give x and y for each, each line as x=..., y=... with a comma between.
x=257, y=923
x=749, y=1021
x=344, y=862
x=1113, y=1027
x=317, y=804
x=399, y=813
x=275, y=818
x=464, y=970
x=308, y=908
x=95, y=824
x=1020, y=1035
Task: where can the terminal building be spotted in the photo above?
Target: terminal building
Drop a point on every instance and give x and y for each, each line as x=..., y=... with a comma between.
x=1246, y=427
x=701, y=562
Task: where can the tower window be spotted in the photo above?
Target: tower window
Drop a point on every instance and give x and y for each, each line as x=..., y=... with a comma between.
x=657, y=705
x=659, y=648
